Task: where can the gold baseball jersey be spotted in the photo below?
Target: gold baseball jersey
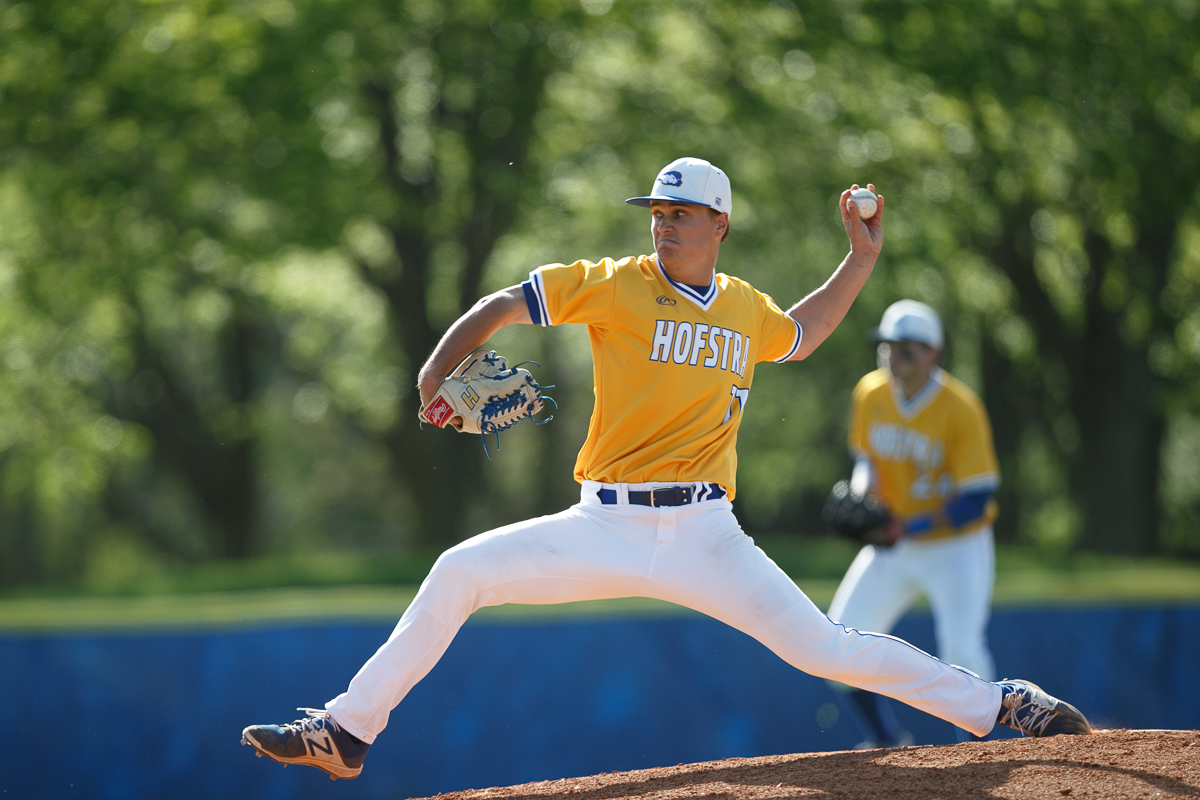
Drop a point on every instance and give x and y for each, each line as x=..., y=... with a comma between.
x=672, y=365
x=926, y=450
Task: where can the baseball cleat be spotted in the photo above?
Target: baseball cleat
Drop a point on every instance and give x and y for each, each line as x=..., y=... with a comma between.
x=316, y=741
x=1028, y=709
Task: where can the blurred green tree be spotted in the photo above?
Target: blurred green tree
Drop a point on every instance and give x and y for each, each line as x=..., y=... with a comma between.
x=1074, y=129
x=450, y=91
x=1042, y=196
x=144, y=151
x=232, y=231
x=207, y=166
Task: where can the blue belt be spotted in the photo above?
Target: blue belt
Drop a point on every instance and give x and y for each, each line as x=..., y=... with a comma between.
x=666, y=496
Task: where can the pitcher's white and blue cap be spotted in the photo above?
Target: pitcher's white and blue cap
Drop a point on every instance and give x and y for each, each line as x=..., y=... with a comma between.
x=910, y=321
x=690, y=180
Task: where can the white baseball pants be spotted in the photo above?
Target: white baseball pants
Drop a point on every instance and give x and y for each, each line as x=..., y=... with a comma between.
x=695, y=556
x=956, y=575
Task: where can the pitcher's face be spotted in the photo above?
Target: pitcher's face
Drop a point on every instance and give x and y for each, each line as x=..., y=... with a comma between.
x=685, y=233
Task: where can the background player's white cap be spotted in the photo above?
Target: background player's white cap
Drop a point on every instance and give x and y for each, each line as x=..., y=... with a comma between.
x=910, y=321
x=690, y=180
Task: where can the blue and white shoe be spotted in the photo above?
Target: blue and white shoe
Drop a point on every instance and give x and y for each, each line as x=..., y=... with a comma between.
x=1028, y=709
x=316, y=741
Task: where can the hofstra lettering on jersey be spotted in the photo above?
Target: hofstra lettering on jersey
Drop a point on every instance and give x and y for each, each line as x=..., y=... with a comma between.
x=926, y=448
x=671, y=363
x=895, y=442
x=685, y=342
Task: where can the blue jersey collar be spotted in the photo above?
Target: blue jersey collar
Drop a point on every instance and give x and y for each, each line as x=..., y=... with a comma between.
x=703, y=299
x=910, y=408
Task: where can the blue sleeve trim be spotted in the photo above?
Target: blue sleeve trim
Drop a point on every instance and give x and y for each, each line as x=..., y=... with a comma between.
x=922, y=523
x=961, y=511
x=968, y=507
x=795, y=342
x=531, y=300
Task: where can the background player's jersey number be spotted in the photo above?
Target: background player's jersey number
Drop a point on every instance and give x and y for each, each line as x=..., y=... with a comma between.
x=925, y=488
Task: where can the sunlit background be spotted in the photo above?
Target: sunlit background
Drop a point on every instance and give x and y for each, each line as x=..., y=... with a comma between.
x=230, y=232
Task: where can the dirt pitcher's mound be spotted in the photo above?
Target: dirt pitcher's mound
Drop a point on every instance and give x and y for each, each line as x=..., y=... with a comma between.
x=1155, y=765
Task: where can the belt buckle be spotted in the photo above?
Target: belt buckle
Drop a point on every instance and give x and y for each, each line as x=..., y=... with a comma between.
x=682, y=495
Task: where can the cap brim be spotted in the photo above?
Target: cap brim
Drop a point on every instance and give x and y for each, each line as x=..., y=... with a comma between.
x=644, y=202
x=875, y=335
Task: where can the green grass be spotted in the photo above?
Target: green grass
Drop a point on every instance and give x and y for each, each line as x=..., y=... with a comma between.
x=349, y=586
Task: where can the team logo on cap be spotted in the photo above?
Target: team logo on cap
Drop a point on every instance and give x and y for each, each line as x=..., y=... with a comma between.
x=671, y=178
x=717, y=200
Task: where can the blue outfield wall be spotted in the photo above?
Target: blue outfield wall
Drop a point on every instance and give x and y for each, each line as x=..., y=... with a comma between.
x=158, y=715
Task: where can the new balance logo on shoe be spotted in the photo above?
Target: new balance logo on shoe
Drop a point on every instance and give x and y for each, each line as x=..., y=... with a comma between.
x=316, y=741
x=314, y=746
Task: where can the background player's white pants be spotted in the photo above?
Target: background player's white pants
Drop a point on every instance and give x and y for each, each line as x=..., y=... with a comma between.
x=957, y=576
x=695, y=556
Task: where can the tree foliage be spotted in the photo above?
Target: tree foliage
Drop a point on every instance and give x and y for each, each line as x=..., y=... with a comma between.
x=231, y=230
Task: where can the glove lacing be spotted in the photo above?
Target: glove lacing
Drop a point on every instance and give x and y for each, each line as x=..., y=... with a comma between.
x=498, y=405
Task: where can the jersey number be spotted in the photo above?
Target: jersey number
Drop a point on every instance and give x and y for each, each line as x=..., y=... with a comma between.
x=738, y=395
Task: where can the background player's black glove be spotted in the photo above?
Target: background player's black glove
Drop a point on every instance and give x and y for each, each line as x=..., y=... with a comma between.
x=862, y=518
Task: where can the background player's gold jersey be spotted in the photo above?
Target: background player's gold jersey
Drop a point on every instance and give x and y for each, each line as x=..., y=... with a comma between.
x=925, y=450
x=672, y=365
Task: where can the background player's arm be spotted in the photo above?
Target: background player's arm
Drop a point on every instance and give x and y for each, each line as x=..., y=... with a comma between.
x=862, y=477
x=823, y=310
x=970, y=450
x=472, y=329
x=958, y=512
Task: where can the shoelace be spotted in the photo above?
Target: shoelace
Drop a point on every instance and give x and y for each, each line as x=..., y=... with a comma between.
x=317, y=719
x=1036, y=716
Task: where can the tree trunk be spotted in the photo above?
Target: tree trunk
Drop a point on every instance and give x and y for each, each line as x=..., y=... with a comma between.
x=1116, y=398
x=444, y=471
x=1007, y=405
x=1119, y=455
x=210, y=447
x=1110, y=392
x=22, y=562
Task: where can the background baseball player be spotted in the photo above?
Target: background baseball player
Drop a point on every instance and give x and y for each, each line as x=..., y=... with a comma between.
x=674, y=347
x=922, y=444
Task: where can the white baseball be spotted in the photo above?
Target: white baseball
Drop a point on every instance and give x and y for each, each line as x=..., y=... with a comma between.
x=865, y=200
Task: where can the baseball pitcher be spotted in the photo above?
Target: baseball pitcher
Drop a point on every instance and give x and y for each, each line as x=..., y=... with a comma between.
x=674, y=348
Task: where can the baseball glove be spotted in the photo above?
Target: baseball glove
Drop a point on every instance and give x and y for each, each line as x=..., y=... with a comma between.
x=860, y=517
x=484, y=395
